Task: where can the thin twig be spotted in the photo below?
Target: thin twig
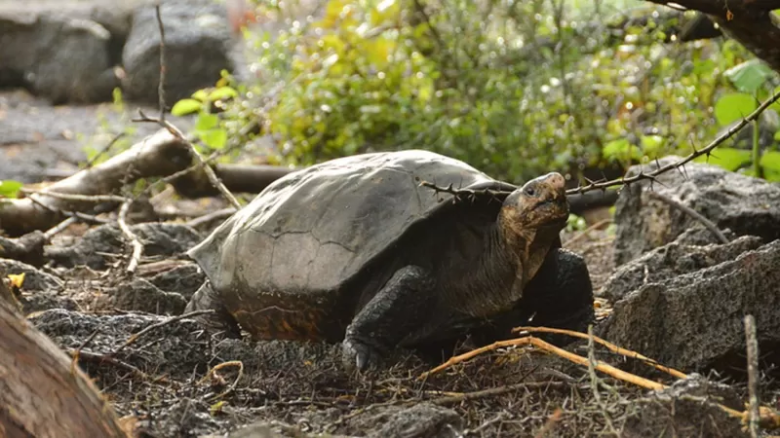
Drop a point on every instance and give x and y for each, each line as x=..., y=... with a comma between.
x=752, y=369
x=99, y=358
x=536, y=342
x=138, y=247
x=214, y=215
x=53, y=231
x=587, y=231
x=610, y=346
x=692, y=213
x=75, y=197
x=161, y=84
x=105, y=150
x=594, y=382
x=148, y=329
x=206, y=168
x=218, y=367
x=451, y=400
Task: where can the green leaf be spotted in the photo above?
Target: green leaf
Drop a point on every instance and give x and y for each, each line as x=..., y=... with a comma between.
x=222, y=93
x=206, y=122
x=10, y=188
x=732, y=107
x=200, y=95
x=620, y=149
x=186, y=106
x=651, y=144
x=728, y=158
x=770, y=162
x=749, y=76
x=214, y=138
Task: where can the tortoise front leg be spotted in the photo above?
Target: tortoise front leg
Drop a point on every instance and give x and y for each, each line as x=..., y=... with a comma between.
x=399, y=308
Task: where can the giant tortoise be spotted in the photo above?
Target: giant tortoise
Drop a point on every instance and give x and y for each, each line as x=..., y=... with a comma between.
x=354, y=250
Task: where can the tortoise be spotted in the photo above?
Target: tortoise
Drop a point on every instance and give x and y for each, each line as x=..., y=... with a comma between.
x=355, y=251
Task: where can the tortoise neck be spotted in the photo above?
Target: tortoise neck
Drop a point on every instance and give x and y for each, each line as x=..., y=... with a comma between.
x=527, y=248
x=493, y=287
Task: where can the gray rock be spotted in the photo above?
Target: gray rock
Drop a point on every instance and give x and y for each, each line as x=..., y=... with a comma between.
x=97, y=245
x=671, y=260
x=197, y=47
x=185, y=280
x=695, y=320
x=424, y=420
x=688, y=408
x=34, y=279
x=745, y=205
x=140, y=295
x=62, y=58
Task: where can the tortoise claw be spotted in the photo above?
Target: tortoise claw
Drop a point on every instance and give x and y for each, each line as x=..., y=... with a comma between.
x=358, y=354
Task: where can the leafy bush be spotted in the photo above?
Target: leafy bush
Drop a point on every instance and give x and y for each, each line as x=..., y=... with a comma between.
x=514, y=88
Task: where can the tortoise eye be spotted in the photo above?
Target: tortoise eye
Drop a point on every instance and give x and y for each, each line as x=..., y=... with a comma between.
x=530, y=191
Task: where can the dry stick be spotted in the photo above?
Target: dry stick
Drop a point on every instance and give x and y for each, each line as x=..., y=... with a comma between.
x=594, y=382
x=752, y=369
x=587, y=231
x=206, y=168
x=536, y=342
x=148, y=329
x=76, y=197
x=214, y=215
x=94, y=357
x=450, y=400
x=692, y=213
x=51, y=232
x=138, y=247
x=612, y=347
x=105, y=149
x=232, y=387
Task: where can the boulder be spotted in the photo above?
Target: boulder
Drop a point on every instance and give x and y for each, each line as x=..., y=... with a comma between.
x=744, y=205
x=690, y=407
x=140, y=295
x=61, y=58
x=695, y=320
x=674, y=259
x=198, y=44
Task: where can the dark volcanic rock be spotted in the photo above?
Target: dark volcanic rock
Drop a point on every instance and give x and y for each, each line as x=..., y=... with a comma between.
x=34, y=279
x=39, y=291
x=672, y=260
x=145, y=297
x=63, y=58
x=688, y=408
x=745, y=205
x=97, y=246
x=197, y=47
x=185, y=280
x=423, y=420
x=176, y=347
x=696, y=319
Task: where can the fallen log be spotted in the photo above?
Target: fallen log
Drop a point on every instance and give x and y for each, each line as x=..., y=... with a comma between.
x=158, y=155
x=41, y=394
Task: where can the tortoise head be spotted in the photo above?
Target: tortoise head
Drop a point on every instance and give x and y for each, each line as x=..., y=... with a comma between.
x=539, y=204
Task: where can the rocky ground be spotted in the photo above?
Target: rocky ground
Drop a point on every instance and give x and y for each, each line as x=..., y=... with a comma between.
x=681, y=302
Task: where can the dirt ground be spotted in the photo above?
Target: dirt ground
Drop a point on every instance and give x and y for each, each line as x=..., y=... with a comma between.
x=180, y=380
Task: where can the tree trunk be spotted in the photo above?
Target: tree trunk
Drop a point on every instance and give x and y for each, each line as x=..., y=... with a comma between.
x=41, y=394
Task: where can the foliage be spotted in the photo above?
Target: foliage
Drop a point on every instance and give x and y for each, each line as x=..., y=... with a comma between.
x=513, y=88
x=209, y=128
x=9, y=188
